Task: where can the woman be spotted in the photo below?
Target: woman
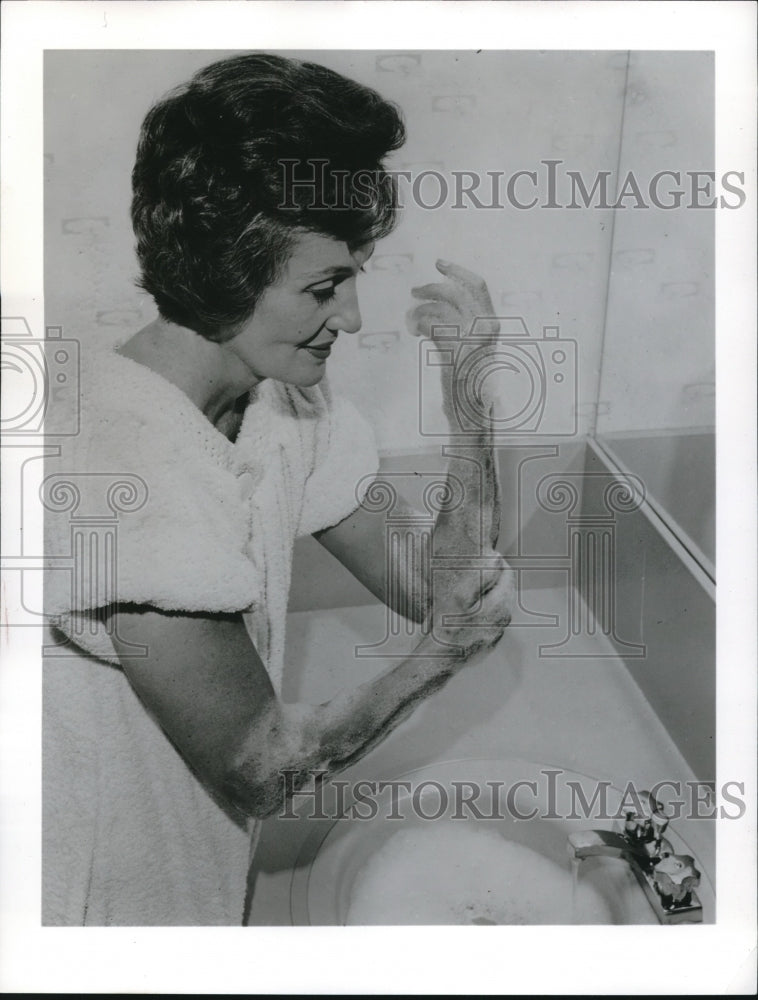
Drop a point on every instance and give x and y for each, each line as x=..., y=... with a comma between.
x=157, y=769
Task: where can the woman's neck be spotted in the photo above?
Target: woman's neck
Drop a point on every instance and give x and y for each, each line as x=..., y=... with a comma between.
x=201, y=368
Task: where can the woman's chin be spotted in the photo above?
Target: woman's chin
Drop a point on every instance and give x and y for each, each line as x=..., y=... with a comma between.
x=301, y=371
x=308, y=378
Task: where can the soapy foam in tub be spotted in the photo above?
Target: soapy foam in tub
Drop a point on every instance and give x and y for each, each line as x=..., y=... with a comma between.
x=448, y=874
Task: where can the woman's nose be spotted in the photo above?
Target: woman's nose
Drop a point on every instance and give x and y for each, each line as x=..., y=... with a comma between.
x=347, y=317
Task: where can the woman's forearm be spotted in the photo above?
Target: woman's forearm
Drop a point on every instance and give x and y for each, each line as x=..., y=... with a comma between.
x=298, y=740
x=355, y=721
x=467, y=529
x=470, y=528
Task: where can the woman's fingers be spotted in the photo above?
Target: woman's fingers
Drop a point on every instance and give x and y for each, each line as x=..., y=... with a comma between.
x=438, y=309
x=497, y=604
x=461, y=301
x=475, y=282
x=438, y=292
x=463, y=287
x=422, y=319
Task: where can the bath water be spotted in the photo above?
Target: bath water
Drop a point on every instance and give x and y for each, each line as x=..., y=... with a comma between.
x=467, y=874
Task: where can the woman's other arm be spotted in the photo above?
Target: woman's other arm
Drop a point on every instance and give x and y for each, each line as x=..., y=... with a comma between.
x=469, y=528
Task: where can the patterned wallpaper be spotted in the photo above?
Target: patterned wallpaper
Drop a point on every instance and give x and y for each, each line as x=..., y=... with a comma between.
x=465, y=111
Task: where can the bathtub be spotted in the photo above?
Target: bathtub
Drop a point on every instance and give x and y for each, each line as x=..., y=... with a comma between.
x=582, y=713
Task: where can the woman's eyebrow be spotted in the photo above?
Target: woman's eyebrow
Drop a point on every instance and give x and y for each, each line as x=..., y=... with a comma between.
x=340, y=271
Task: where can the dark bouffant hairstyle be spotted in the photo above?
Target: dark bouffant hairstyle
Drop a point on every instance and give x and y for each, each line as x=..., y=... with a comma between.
x=214, y=208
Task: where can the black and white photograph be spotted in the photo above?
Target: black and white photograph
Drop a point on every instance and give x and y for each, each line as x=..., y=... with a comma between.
x=377, y=464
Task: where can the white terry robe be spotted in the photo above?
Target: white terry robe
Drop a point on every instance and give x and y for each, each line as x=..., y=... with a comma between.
x=130, y=836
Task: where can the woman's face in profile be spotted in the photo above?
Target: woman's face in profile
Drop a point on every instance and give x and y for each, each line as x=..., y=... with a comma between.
x=296, y=321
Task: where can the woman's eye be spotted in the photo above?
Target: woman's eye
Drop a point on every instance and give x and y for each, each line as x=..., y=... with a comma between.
x=324, y=295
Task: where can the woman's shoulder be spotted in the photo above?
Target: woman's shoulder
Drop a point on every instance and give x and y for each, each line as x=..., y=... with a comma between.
x=127, y=409
x=136, y=428
x=145, y=462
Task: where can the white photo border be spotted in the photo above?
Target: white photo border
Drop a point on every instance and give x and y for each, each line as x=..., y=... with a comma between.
x=562, y=960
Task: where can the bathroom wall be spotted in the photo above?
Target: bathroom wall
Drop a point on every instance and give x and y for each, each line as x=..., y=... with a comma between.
x=659, y=347
x=465, y=111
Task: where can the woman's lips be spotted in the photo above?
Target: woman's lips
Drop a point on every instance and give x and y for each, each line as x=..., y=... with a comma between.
x=320, y=351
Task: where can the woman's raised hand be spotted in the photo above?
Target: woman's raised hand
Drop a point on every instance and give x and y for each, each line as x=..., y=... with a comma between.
x=471, y=609
x=458, y=301
x=457, y=309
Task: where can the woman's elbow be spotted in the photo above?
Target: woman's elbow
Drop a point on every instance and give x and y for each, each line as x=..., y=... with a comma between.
x=260, y=796
x=253, y=796
x=274, y=762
